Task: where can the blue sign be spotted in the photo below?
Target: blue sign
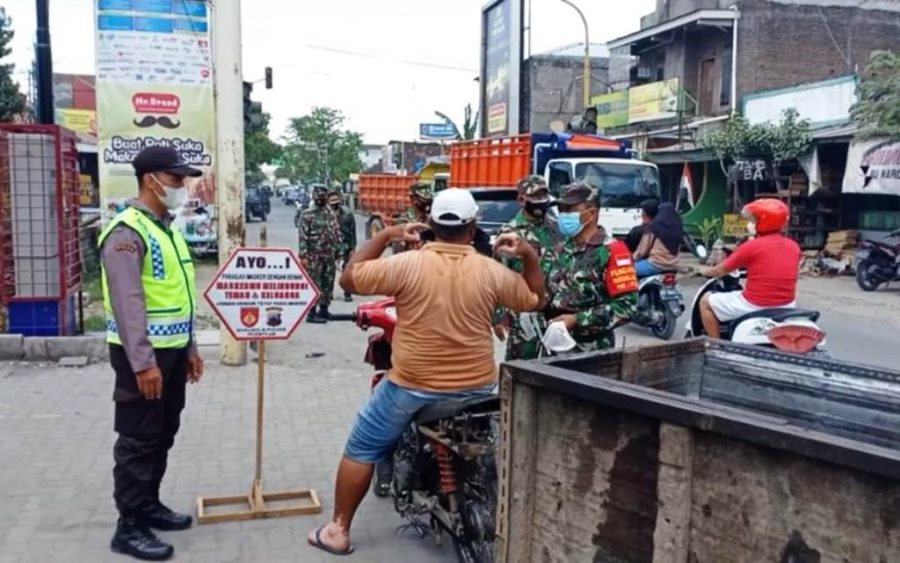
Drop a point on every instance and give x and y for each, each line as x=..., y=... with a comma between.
x=437, y=131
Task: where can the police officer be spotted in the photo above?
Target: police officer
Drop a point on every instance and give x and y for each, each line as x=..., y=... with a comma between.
x=150, y=298
x=592, y=286
x=421, y=194
x=531, y=225
x=347, y=223
x=319, y=249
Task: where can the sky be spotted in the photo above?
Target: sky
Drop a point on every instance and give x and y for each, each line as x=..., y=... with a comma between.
x=386, y=65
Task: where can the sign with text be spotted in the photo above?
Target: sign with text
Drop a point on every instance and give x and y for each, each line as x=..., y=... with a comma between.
x=752, y=170
x=501, y=62
x=873, y=167
x=436, y=131
x=154, y=88
x=612, y=109
x=262, y=294
x=733, y=225
x=654, y=101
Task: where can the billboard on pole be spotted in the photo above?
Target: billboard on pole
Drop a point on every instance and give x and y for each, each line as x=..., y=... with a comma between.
x=154, y=87
x=501, y=66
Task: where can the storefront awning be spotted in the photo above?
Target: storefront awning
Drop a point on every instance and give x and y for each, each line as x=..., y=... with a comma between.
x=699, y=17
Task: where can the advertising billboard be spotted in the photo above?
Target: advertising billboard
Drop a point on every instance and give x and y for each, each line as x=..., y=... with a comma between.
x=501, y=65
x=155, y=88
x=654, y=101
x=612, y=109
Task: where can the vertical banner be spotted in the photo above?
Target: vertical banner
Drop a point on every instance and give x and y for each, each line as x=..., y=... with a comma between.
x=501, y=66
x=155, y=87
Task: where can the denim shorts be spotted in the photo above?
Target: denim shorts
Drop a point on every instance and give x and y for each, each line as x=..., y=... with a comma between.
x=387, y=414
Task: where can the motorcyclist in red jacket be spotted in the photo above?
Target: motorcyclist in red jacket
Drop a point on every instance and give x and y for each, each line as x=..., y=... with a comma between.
x=772, y=261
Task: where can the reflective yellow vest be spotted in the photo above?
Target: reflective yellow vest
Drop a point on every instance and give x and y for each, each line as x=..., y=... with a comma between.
x=168, y=278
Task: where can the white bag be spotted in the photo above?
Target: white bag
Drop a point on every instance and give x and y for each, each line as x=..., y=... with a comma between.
x=557, y=338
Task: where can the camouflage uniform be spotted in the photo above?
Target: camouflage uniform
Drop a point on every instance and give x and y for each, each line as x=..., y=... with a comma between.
x=320, y=242
x=413, y=215
x=522, y=342
x=347, y=223
x=576, y=286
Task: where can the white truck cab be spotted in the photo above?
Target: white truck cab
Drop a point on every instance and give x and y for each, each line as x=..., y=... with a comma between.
x=622, y=185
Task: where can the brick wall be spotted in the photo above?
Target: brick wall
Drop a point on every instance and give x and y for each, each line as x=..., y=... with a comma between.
x=784, y=44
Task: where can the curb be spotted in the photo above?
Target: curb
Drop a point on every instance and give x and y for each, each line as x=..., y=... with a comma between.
x=54, y=348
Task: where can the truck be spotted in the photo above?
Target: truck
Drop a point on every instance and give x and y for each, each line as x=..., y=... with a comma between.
x=609, y=165
x=698, y=451
x=385, y=196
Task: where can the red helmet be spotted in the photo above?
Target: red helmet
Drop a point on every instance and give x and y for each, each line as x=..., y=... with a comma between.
x=769, y=214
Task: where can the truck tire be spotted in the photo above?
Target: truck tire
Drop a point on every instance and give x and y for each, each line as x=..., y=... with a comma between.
x=373, y=226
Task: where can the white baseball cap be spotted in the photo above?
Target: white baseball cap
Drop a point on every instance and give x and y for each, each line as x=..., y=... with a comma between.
x=453, y=206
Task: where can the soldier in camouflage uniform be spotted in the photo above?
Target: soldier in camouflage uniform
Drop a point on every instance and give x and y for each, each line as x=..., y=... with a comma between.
x=592, y=286
x=532, y=225
x=421, y=194
x=319, y=249
x=347, y=222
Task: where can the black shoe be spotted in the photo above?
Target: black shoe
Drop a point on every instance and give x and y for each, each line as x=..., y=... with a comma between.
x=164, y=518
x=315, y=318
x=324, y=314
x=348, y=298
x=139, y=542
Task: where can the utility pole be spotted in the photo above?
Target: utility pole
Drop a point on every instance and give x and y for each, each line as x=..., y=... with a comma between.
x=587, y=55
x=46, y=111
x=229, y=92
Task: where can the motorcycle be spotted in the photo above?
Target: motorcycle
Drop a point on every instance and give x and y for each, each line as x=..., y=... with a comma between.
x=879, y=263
x=442, y=477
x=660, y=303
x=786, y=329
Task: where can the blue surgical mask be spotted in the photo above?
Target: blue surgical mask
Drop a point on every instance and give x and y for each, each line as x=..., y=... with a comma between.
x=570, y=224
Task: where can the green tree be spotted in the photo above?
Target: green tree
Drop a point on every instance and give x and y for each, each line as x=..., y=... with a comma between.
x=878, y=110
x=317, y=147
x=788, y=139
x=259, y=149
x=12, y=102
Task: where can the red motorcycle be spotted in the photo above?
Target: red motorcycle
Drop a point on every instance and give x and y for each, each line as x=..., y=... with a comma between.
x=442, y=477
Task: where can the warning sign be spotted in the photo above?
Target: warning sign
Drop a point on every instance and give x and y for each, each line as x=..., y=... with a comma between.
x=262, y=294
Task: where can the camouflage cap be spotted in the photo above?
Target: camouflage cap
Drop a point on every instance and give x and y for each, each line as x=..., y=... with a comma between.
x=531, y=185
x=422, y=189
x=319, y=190
x=335, y=191
x=577, y=193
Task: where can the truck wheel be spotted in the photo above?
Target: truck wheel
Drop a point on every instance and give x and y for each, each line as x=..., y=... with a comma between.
x=373, y=227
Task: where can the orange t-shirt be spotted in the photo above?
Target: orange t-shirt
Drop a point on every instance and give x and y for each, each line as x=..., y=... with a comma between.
x=446, y=295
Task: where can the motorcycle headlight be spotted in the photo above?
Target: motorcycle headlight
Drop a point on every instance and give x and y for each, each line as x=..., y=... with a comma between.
x=391, y=312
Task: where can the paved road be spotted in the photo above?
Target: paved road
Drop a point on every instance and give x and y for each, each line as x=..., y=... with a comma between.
x=861, y=327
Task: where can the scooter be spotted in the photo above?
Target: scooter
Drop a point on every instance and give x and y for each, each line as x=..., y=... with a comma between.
x=443, y=475
x=879, y=263
x=786, y=329
x=660, y=303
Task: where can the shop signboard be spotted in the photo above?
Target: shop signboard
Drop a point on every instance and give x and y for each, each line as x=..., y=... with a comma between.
x=654, y=101
x=612, y=109
x=873, y=167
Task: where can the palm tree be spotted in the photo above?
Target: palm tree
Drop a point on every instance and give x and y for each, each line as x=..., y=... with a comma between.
x=470, y=124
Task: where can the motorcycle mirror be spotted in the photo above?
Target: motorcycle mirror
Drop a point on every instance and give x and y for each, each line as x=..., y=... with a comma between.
x=701, y=251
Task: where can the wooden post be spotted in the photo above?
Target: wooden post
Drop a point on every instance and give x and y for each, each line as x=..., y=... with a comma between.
x=255, y=502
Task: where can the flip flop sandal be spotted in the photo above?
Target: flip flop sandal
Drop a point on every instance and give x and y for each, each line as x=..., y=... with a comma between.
x=318, y=544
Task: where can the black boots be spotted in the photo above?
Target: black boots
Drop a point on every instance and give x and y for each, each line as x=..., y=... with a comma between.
x=348, y=298
x=135, y=539
x=164, y=518
x=319, y=315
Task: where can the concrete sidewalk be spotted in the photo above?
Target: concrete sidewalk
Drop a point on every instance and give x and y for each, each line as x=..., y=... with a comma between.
x=56, y=477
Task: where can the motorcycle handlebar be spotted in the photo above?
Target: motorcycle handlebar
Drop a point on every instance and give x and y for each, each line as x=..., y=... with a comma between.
x=343, y=317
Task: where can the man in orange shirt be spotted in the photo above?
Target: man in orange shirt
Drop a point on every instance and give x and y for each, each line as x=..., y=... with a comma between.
x=443, y=344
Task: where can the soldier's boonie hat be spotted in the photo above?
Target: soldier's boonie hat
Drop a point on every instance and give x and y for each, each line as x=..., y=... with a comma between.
x=532, y=185
x=577, y=193
x=422, y=189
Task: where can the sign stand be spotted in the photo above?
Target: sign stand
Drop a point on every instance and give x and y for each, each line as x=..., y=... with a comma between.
x=291, y=503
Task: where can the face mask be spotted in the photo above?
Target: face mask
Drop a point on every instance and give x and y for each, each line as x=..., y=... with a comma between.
x=537, y=208
x=174, y=197
x=570, y=224
x=751, y=228
x=321, y=202
x=335, y=206
x=557, y=338
x=424, y=206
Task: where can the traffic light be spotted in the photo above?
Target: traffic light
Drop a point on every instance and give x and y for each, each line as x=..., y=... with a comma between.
x=252, y=110
x=268, y=78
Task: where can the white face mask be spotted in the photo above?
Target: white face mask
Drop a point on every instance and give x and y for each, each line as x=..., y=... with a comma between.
x=174, y=198
x=557, y=338
x=751, y=228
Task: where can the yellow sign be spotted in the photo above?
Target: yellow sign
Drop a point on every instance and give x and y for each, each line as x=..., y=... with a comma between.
x=733, y=225
x=612, y=109
x=78, y=120
x=650, y=102
x=87, y=192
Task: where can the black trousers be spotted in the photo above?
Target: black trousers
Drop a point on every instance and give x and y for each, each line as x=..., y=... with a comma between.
x=146, y=429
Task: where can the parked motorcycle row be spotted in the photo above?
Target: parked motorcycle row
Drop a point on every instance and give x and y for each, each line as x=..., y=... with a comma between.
x=878, y=262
